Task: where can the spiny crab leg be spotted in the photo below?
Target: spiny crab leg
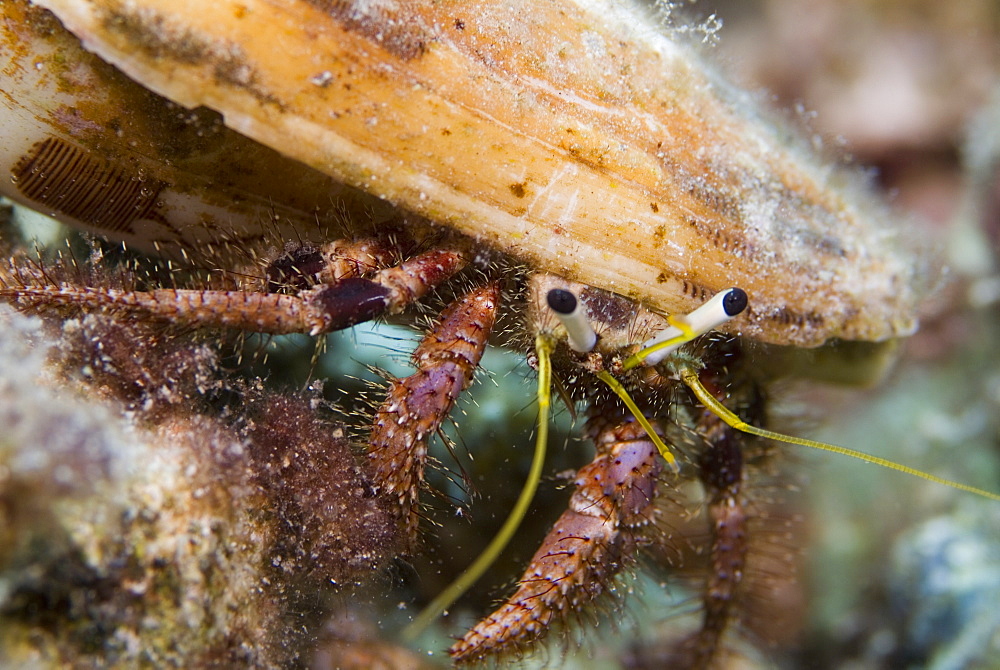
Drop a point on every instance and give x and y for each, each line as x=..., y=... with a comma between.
x=323, y=308
x=590, y=543
x=303, y=266
x=446, y=360
x=722, y=474
x=601, y=531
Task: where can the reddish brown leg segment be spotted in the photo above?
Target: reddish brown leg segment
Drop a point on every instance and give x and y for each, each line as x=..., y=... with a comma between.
x=320, y=309
x=590, y=543
x=415, y=407
x=721, y=471
x=304, y=266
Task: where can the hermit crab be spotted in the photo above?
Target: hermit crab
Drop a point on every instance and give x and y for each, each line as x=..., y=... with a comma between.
x=556, y=165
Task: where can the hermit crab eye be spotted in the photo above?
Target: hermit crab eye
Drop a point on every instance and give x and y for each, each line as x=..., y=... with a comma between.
x=685, y=327
x=734, y=301
x=568, y=309
x=721, y=308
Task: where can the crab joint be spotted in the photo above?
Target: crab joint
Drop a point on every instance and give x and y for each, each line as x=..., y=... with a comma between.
x=721, y=308
x=543, y=349
x=569, y=310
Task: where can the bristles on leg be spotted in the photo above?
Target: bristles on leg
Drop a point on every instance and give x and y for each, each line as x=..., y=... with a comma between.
x=416, y=406
x=590, y=543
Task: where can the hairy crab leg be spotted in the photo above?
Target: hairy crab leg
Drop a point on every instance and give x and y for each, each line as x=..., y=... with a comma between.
x=590, y=543
x=446, y=360
x=324, y=308
x=303, y=266
x=722, y=474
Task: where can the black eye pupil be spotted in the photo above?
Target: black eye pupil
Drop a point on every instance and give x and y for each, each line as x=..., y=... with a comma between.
x=735, y=301
x=561, y=301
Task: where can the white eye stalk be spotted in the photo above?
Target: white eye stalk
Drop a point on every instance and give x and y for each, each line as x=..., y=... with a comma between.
x=721, y=308
x=570, y=312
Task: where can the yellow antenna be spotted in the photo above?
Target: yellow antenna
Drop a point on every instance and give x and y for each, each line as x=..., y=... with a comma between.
x=661, y=347
x=543, y=349
x=722, y=307
x=690, y=377
x=581, y=337
x=620, y=391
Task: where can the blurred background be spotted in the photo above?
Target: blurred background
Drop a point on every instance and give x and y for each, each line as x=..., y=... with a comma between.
x=902, y=573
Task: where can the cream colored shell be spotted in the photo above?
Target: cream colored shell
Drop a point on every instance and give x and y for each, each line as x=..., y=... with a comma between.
x=573, y=135
x=87, y=145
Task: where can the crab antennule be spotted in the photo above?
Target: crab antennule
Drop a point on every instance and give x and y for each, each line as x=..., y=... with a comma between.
x=581, y=338
x=721, y=308
x=623, y=394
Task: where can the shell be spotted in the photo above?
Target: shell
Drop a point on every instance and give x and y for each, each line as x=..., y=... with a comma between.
x=85, y=144
x=576, y=138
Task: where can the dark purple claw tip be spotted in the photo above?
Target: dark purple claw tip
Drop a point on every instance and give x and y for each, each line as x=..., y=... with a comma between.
x=351, y=301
